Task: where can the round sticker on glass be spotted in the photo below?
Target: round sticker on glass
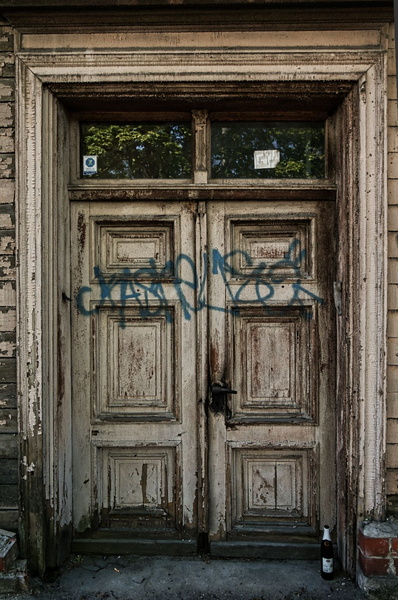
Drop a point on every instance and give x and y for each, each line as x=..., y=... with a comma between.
x=89, y=165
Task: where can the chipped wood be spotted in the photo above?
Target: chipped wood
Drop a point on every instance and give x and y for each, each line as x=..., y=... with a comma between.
x=39, y=70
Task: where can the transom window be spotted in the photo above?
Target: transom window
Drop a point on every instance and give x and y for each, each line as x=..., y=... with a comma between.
x=267, y=150
x=137, y=150
x=174, y=149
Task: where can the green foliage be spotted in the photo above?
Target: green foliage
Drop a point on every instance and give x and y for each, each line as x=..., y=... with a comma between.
x=164, y=150
x=139, y=150
x=301, y=146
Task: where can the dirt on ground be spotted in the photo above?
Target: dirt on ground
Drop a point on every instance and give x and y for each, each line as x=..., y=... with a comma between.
x=197, y=578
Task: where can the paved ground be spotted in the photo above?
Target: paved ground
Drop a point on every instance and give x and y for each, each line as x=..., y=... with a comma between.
x=161, y=578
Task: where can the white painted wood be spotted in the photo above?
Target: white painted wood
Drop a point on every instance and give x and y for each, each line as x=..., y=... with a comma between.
x=274, y=40
x=134, y=388
x=272, y=345
x=373, y=267
x=392, y=407
x=368, y=284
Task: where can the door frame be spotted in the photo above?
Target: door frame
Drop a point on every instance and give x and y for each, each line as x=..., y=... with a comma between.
x=43, y=256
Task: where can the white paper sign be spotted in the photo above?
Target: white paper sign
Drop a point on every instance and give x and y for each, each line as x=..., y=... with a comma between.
x=266, y=159
x=89, y=165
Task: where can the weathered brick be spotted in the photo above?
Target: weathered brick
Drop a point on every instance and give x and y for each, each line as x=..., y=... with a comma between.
x=373, y=566
x=392, y=138
x=7, y=90
x=392, y=244
x=7, y=65
x=392, y=113
x=7, y=293
x=7, y=216
x=7, y=145
x=391, y=476
x=392, y=351
x=6, y=114
x=8, y=370
x=392, y=218
x=392, y=455
x=8, y=395
x=8, y=420
x=8, y=319
x=6, y=41
x=392, y=87
x=392, y=504
x=7, y=191
x=8, y=471
x=7, y=166
x=9, y=519
x=394, y=545
x=393, y=278
x=391, y=61
x=392, y=406
x=7, y=271
x=8, y=496
x=392, y=381
x=7, y=343
x=392, y=296
x=392, y=429
x=9, y=445
x=7, y=241
x=392, y=186
x=371, y=546
x=392, y=161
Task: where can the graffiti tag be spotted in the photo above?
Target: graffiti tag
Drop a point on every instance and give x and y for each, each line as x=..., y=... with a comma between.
x=144, y=287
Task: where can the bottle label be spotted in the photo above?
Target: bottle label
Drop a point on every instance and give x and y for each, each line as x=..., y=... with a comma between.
x=327, y=565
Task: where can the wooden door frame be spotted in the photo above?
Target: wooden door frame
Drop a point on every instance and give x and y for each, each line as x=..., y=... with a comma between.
x=43, y=258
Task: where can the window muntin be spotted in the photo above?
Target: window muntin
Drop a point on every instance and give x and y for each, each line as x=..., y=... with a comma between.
x=136, y=150
x=281, y=150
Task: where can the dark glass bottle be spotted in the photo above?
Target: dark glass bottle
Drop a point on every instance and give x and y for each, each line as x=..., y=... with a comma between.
x=326, y=554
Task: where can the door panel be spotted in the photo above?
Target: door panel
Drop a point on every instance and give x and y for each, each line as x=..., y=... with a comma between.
x=271, y=338
x=134, y=393
x=154, y=284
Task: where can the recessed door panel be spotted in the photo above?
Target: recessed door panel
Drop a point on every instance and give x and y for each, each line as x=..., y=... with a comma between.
x=135, y=386
x=272, y=341
x=203, y=344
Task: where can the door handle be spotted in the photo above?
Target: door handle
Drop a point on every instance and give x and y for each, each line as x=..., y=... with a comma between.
x=219, y=389
x=218, y=398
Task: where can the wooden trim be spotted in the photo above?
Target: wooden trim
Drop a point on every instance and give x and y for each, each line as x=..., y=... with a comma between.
x=29, y=313
x=194, y=192
x=365, y=276
x=56, y=15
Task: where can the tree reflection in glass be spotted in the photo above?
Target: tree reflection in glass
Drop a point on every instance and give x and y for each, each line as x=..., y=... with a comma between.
x=139, y=150
x=301, y=147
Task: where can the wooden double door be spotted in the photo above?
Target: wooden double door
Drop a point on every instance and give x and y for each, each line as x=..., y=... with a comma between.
x=203, y=372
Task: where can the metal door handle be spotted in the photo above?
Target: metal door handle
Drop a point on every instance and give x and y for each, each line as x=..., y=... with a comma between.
x=218, y=389
x=218, y=400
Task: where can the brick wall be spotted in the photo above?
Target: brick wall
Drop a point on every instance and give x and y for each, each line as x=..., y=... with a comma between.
x=378, y=549
x=8, y=401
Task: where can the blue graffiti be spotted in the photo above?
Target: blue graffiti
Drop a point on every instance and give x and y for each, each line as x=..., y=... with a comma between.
x=144, y=287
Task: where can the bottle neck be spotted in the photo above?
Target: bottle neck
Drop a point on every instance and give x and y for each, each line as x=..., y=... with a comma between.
x=326, y=534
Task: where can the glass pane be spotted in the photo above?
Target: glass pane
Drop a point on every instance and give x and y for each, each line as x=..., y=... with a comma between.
x=267, y=150
x=136, y=150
